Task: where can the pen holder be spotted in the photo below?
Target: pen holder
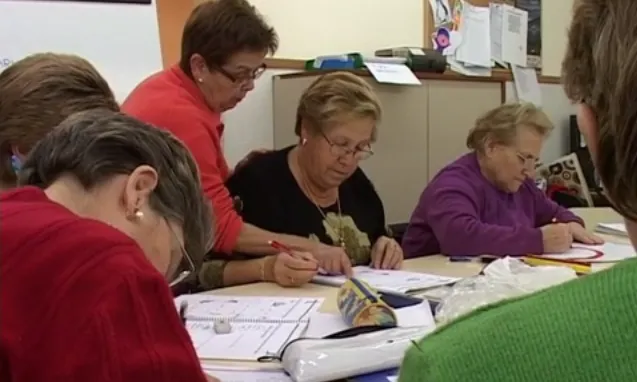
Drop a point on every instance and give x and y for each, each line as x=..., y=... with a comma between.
x=361, y=305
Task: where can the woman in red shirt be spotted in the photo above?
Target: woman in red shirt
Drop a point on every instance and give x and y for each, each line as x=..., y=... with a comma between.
x=224, y=45
x=113, y=213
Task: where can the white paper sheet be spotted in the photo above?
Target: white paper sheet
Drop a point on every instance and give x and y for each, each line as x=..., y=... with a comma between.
x=246, y=341
x=249, y=309
x=611, y=253
x=440, y=11
x=475, y=48
x=527, y=87
x=612, y=228
x=396, y=74
x=508, y=29
x=390, y=281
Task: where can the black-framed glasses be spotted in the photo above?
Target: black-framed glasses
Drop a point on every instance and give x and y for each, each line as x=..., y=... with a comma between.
x=244, y=77
x=186, y=264
x=359, y=153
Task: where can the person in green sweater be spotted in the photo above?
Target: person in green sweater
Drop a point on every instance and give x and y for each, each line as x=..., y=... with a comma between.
x=584, y=330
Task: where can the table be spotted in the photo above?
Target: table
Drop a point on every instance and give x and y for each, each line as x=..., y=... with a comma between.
x=436, y=264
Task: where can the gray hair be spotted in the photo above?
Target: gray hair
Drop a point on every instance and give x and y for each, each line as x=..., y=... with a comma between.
x=97, y=144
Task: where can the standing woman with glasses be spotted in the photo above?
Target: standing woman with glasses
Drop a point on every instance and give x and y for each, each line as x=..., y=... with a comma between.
x=315, y=189
x=224, y=45
x=487, y=202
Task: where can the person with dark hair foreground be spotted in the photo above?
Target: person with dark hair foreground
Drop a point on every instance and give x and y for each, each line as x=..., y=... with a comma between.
x=110, y=212
x=224, y=45
x=36, y=94
x=583, y=330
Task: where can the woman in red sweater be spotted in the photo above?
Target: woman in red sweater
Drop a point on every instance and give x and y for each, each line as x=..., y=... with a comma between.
x=224, y=45
x=113, y=213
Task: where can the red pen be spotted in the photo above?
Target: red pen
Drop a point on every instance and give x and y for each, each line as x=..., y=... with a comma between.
x=280, y=247
x=285, y=249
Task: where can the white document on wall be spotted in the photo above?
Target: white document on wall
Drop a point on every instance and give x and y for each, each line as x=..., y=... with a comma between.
x=396, y=74
x=527, y=87
x=260, y=326
x=495, y=27
x=512, y=35
x=475, y=48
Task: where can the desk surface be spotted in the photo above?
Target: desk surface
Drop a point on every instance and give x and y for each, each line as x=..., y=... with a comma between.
x=437, y=264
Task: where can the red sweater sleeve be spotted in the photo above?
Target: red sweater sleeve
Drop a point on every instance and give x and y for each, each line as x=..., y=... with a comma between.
x=228, y=223
x=135, y=335
x=203, y=141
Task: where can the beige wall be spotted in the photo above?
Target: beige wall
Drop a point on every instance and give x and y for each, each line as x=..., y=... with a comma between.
x=309, y=28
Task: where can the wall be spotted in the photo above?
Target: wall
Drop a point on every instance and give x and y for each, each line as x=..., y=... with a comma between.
x=336, y=28
x=306, y=27
x=121, y=40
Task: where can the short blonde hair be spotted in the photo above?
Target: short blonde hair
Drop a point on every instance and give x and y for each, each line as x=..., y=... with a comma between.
x=502, y=123
x=335, y=96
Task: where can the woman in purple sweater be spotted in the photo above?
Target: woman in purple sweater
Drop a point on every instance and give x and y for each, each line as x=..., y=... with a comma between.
x=486, y=202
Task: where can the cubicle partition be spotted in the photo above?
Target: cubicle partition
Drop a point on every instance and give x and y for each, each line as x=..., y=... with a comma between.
x=423, y=128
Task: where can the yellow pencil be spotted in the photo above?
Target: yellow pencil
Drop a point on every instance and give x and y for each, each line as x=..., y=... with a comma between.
x=578, y=268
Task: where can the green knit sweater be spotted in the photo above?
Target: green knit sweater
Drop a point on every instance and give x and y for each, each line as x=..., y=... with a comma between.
x=582, y=331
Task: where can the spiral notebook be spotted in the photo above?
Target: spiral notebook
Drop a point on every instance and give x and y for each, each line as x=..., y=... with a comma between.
x=259, y=325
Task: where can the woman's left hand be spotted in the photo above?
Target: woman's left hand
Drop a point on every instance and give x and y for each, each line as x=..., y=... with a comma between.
x=387, y=254
x=581, y=235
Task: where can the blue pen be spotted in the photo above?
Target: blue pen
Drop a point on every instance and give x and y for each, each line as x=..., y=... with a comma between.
x=458, y=259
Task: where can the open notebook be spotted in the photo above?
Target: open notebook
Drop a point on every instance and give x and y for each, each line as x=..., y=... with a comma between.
x=389, y=281
x=260, y=325
x=618, y=229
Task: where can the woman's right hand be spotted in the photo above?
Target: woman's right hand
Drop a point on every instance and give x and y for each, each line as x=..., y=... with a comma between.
x=333, y=260
x=291, y=270
x=557, y=238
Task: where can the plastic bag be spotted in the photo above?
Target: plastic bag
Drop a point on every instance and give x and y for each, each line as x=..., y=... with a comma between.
x=502, y=279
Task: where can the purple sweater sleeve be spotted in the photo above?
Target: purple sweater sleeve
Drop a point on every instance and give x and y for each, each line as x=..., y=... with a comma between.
x=546, y=210
x=453, y=217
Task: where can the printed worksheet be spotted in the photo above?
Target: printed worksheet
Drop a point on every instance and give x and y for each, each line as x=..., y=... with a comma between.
x=390, y=281
x=245, y=342
x=249, y=309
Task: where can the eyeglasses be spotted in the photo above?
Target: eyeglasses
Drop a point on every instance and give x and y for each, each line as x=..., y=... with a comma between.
x=185, y=258
x=244, y=77
x=527, y=160
x=342, y=151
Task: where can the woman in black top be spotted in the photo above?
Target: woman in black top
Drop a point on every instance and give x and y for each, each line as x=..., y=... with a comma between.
x=315, y=189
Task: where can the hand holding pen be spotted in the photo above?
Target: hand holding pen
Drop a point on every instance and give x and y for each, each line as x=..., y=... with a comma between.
x=556, y=237
x=289, y=267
